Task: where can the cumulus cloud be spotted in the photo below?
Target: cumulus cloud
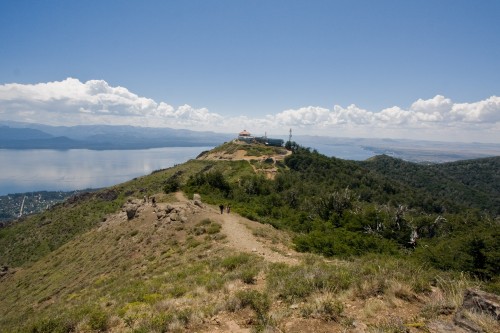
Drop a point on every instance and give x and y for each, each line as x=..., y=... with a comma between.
x=437, y=118
x=307, y=116
x=487, y=111
x=71, y=102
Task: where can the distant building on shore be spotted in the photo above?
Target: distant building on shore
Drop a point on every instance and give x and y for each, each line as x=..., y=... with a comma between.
x=248, y=138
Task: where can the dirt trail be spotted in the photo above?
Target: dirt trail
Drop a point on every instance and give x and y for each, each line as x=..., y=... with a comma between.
x=241, y=238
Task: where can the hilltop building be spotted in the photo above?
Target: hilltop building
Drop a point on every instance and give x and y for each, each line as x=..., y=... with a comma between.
x=248, y=138
x=245, y=136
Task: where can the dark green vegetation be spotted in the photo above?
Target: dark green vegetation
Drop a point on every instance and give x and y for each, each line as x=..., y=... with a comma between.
x=68, y=271
x=464, y=184
x=444, y=215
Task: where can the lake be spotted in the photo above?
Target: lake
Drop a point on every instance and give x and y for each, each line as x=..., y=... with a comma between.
x=65, y=170
x=77, y=169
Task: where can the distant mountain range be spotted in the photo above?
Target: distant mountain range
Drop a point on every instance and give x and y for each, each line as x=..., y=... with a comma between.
x=14, y=135
x=17, y=135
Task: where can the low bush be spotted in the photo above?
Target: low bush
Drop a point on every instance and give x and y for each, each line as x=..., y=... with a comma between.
x=257, y=301
x=214, y=228
x=52, y=325
x=232, y=262
x=325, y=307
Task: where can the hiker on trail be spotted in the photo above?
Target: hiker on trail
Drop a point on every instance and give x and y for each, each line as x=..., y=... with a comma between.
x=153, y=201
x=228, y=209
x=221, y=206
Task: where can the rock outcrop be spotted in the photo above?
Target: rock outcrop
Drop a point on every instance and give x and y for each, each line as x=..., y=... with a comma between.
x=178, y=213
x=480, y=301
x=197, y=200
x=131, y=207
x=477, y=301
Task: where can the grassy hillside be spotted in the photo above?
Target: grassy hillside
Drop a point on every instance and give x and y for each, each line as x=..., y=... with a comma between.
x=140, y=275
x=83, y=266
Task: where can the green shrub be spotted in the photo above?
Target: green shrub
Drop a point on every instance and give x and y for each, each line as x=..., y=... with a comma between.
x=98, y=320
x=257, y=301
x=52, y=325
x=214, y=228
x=204, y=222
x=232, y=262
x=172, y=184
x=249, y=274
x=177, y=290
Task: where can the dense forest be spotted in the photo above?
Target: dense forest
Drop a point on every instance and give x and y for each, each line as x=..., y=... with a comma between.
x=468, y=183
x=444, y=215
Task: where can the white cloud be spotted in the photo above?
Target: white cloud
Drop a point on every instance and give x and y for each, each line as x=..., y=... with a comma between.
x=487, y=111
x=71, y=102
x=437, y=118
x=437, y=104
x=307, y=116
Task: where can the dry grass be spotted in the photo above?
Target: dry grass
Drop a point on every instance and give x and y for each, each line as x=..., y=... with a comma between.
x=453, y=288
x=323, y=306
x=485, y=321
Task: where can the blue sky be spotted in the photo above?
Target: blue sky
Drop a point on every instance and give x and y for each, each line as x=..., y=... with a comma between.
x=419, y=69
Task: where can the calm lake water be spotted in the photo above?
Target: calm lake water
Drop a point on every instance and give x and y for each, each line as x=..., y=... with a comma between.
x=343, y=151
x=76, y=169
x=53, y=170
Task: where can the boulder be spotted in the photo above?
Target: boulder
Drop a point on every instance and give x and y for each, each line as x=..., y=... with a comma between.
x=169, y=209
x=197, y=200
x=480, y=301
x=131, y=210
x=160, y=214
x=477, y=301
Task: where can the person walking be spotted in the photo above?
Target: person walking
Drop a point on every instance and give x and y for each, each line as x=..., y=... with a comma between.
x=221, y=206
x=228, y=208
